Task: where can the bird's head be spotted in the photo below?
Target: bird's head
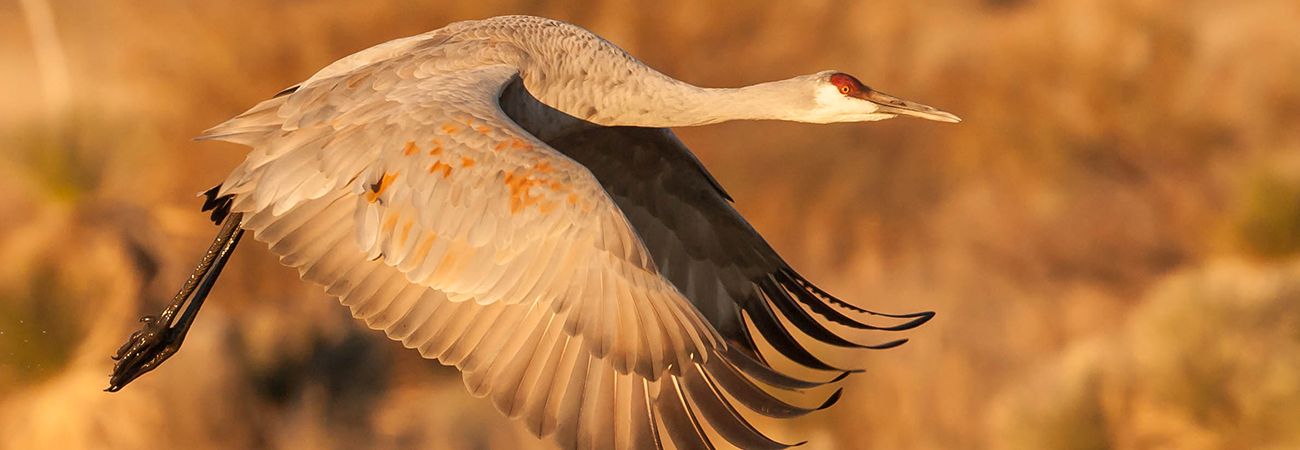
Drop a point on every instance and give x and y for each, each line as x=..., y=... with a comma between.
x=840, y=97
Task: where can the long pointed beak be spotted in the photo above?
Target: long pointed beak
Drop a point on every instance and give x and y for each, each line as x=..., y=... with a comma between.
x=894, y=105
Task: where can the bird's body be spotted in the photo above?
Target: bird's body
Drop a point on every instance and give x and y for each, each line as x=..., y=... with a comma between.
x=503, y=195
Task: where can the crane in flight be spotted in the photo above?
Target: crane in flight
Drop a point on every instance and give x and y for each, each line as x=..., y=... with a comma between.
x=505, y=196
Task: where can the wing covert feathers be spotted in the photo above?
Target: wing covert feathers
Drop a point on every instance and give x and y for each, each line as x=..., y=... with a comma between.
x=394, y=180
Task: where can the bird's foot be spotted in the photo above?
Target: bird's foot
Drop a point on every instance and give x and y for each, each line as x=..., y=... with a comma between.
x=162, y=334
x=145, y=350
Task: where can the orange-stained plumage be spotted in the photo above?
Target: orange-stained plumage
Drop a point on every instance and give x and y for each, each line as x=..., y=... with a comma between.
x=586, y=274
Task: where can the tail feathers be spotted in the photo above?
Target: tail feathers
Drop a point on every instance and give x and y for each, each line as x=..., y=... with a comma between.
x=219, y=205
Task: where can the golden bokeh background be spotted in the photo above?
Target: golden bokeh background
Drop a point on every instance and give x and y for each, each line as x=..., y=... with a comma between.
x=1111, y=239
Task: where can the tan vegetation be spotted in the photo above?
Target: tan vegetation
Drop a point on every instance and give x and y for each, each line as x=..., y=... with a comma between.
x=1110, y=238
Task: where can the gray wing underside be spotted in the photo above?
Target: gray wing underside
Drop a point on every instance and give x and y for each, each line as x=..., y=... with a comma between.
x=319, y=190
x=535, y=361
x=709, y=252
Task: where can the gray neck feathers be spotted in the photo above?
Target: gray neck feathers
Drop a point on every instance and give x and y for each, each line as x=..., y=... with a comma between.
x=640, y=96
x=572, y=71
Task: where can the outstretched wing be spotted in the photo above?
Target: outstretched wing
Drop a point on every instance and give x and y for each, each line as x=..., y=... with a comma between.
x=709, y=252
x=403, y=189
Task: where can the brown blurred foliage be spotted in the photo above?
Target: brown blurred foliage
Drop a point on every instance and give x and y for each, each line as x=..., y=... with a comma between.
x=1111, y=238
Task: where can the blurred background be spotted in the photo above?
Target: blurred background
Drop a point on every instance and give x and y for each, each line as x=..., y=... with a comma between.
x=1111, y=239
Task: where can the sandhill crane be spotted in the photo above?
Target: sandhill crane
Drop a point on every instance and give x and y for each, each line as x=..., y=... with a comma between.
x=504, y=195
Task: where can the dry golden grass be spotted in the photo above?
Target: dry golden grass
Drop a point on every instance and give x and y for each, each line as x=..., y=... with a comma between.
x=1210, y=360
x=1070, y=233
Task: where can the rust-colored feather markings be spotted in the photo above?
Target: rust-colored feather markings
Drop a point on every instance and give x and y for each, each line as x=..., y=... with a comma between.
x=505, y=196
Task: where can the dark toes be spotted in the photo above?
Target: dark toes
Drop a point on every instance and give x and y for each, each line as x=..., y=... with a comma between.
x=146, y=350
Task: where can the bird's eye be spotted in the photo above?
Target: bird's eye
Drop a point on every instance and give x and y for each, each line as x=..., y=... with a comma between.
x=844, y=89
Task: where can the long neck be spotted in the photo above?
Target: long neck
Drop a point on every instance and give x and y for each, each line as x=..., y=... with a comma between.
x=609, y=87
x=585, y=77
x=648, y=98
x=674, y=103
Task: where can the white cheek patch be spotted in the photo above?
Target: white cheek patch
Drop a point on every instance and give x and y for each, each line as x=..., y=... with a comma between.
x=832, y=106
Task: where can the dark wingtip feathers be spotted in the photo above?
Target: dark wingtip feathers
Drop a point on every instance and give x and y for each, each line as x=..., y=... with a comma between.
x=762, y=372
x=832, y=400
x=887, y=345
x=809, y=294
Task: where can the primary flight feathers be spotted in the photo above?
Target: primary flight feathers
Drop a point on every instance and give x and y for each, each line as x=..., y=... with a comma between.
x=504, y=196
